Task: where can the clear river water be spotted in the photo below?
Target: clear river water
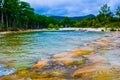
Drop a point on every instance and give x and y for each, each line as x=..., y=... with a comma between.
x=21, y=50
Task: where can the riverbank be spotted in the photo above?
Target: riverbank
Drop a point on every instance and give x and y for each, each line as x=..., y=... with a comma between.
x=24, y=31
x=88, y=63
x=61, y=29
x=84, y=29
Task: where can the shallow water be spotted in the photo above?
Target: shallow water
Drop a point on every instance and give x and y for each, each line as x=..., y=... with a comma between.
x=110, y=70
x=4, y=71
x=22, y=50
x=113, y=57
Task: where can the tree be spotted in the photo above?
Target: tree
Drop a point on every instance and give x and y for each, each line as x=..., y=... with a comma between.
x=11, y=11
x=105, y=15
x=118, y=12
x=52, y=26
x=1, y=11
x=26, y=12
x=105, y=9
x=19, y=15
x=66, y=22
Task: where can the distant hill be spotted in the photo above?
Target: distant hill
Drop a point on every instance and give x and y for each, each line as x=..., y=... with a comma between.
x=79, y=18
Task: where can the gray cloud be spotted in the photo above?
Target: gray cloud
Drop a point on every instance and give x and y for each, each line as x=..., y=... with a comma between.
x=70, y=7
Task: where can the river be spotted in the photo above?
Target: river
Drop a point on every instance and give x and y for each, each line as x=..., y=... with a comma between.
x=19, y=51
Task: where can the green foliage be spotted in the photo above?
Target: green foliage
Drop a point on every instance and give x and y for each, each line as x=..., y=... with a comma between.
x=118, y=12
x=113, y=25
x=2, y=27
x=52, y=26
x=105, y=10
x=77, y=24
x=105, y=15
x=103, y=19
x=66, y=22
x=19, y=15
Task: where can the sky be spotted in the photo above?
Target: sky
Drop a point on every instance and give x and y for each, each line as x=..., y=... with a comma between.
x=70, y=7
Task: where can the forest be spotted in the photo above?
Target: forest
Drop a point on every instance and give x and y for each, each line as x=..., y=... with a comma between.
x=18, y=15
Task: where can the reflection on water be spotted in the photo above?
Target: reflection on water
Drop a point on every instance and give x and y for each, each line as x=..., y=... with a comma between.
x=22, y=50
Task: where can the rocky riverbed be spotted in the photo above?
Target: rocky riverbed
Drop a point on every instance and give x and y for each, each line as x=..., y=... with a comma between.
x=98, y=60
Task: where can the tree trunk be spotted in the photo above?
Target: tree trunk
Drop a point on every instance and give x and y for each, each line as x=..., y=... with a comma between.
x=7, y=22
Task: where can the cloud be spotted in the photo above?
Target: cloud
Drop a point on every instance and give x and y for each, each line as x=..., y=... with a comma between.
x=114, y=4
x=70, y=7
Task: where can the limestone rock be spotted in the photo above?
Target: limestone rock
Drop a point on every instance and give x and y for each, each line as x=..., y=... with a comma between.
x=71, y=61
x=60, y=55
x=82, y=51
x=84, y=71
x=41, y=63
x=94, y=58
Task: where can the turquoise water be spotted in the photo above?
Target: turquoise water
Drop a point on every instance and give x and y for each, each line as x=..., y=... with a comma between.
x=22, y=50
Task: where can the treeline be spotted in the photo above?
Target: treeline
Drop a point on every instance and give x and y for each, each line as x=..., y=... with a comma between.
x=105, y=18
x=18, y=15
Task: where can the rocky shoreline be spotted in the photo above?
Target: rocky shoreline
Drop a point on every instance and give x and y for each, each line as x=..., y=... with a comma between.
x=81, y=61
x=85, y=63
